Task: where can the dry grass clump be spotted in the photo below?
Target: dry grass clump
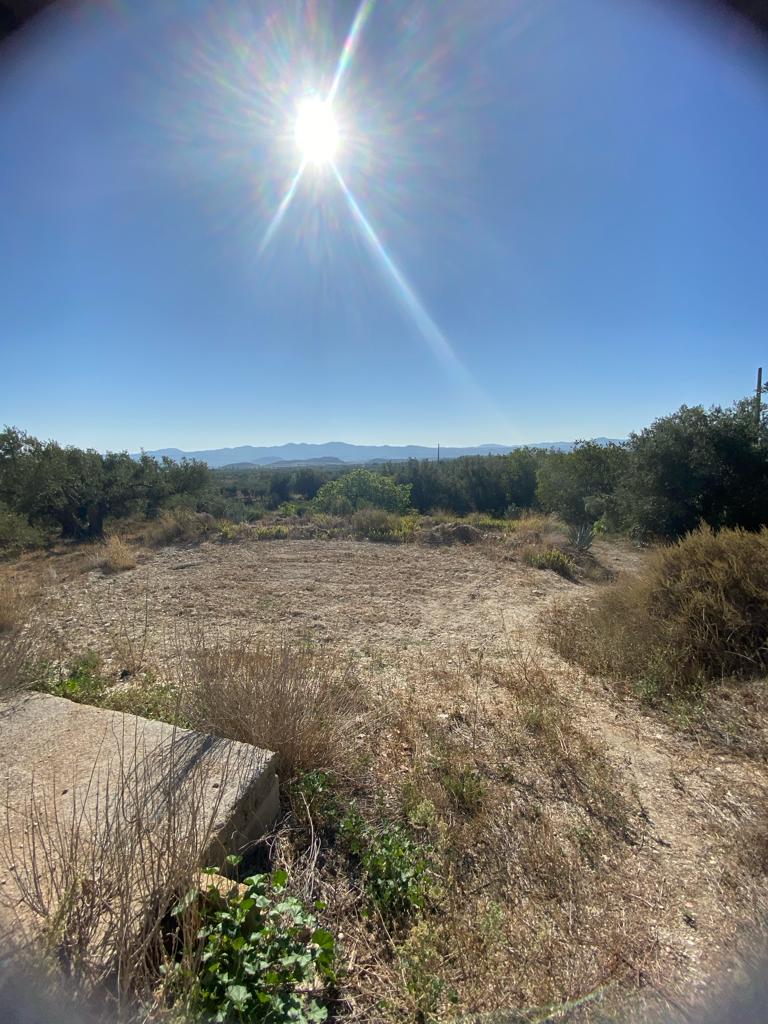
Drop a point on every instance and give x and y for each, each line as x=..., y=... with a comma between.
x=301, y=702
x=114, y=555
x=179, y=527
x=696, y=614
x=452, y=533
x=14, y=607
x=535, y=529
x=19, y=636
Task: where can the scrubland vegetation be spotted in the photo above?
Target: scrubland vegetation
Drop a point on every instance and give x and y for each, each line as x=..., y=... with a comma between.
x=554, y=810
x=691, y=467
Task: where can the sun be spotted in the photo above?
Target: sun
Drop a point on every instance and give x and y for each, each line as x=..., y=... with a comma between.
x=316, y=131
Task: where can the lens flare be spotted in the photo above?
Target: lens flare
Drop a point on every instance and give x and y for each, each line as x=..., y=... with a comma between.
x=316, y=131
x=427, y=327
x=285, y=202
x=350, y=44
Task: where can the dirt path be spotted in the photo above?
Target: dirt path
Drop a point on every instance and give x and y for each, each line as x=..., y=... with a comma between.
x=699, y=805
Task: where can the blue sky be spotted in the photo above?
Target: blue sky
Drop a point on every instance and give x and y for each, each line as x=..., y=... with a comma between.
x=573, y=195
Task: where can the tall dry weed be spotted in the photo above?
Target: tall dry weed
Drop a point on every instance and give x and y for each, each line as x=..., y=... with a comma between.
x=20, y=635
x=114, y=555
x=299, y=701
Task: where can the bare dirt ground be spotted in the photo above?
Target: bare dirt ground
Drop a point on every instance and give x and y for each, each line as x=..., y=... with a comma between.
x=397, y=607
x=372, y=599
x=367, y=597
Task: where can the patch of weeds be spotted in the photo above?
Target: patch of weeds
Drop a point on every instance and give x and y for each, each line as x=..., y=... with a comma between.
x=148, y=699
x=275, y=532
x=587, y=843
x=263, y=956
x=419, y=811
x=315, y=792
x=378, y=525
x=553, y=559
x=81, y=682
x=538, y=720
x=422, y=963
x=464, y=787
x=232, y=532
x=395, y=868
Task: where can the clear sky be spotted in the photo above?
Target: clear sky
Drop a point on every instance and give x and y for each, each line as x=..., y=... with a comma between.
x=555, y=223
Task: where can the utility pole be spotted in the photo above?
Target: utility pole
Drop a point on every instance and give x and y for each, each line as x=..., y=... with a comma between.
x=759, y=402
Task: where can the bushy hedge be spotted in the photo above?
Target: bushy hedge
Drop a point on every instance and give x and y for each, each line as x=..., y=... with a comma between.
x=361, y=489
x=696, y=614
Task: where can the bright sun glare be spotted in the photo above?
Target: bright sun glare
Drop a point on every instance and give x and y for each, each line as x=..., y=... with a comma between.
x=317, y=134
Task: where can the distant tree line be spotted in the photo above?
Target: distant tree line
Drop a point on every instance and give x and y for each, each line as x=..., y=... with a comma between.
x=49, y=491
x=694, y=466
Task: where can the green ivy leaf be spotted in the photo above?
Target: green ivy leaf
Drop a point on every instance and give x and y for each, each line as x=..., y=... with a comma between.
x=185, y=902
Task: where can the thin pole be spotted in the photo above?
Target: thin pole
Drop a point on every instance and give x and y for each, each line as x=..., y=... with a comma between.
x=759, y=401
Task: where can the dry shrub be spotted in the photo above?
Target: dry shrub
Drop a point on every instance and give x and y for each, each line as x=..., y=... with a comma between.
x=452, y=533
x=695, y=614
x=300, y=702
x=537, y=530
x=114, y=555
x=375, y=524
x=19, y=636
x=93, y=877
x=179, y=527
x=14, y=607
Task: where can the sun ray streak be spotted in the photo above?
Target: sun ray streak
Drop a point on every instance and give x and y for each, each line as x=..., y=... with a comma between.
x=277, y=220
x=427, y=327
x=350, y=45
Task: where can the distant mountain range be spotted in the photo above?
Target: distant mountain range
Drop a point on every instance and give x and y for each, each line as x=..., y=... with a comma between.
x=340, y=453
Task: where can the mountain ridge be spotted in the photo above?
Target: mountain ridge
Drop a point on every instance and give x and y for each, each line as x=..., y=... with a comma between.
x=342, y=452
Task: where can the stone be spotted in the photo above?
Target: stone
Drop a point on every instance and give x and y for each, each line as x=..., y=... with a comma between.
x=61, y=761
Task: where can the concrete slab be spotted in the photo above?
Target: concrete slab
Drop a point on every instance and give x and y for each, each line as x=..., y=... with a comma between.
x=63, y=764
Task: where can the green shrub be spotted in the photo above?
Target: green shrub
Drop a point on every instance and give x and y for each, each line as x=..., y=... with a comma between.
x=362, y=489
x=262, y=958
x=695, y=614
x=16, y=534
x=288, y=510
x=552, y=559
x=697, y=465
x=577, y=485
x=395, y=868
